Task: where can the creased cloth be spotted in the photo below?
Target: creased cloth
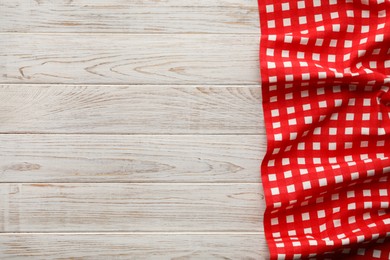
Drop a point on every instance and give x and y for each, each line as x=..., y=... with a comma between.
x=325, y=73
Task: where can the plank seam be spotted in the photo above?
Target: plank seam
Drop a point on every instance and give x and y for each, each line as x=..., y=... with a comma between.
x=130, y=134
x=192, y=85
x=125, y=33
x=136, y=233
x=142, y=183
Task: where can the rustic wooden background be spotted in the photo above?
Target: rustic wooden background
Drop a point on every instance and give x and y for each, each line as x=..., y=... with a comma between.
x=130, y=129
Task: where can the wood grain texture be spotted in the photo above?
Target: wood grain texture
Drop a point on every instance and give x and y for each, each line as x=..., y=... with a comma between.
x=130, y=130
x=98, y=207
x=129, y=59
x=128, y=16
x=133, y=246
x=131, y=158
x=130, y=109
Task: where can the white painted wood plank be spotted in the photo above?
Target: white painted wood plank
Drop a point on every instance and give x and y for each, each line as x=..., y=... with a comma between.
x=129, y=16
x=141, y=3
x=129, y=59
x=133, y=246
x=131, y=158
x=130, y=109
x=84, y=207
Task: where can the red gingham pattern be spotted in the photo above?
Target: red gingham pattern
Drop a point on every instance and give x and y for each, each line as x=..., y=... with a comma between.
x=325, y=69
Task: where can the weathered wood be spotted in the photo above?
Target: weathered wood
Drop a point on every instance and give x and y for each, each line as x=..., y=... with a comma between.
x=128, y=207
x=130, y=109
x=181, y=163
x=133, y=246
x=129, y=59
x=129, y=16
x=131, y=158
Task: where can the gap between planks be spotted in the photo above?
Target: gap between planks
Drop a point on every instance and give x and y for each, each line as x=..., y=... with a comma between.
x=119, y=232
x=138, y=183
x=135, y=85
x=131, y=134
x=124, y=33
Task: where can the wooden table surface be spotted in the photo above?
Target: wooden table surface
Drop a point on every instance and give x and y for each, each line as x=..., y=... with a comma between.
x=130, y=129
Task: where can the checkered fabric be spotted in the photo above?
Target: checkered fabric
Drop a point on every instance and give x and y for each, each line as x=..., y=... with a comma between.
x=325, y=68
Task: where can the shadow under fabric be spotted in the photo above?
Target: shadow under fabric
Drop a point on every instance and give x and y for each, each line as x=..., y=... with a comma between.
x=325, y=70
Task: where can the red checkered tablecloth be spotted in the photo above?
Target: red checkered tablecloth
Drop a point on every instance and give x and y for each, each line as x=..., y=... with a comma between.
x=325, y=69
